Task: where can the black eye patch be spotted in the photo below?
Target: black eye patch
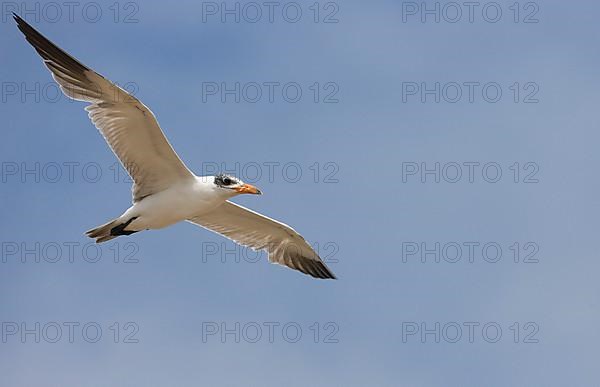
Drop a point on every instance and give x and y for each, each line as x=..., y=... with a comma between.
x=224, y=180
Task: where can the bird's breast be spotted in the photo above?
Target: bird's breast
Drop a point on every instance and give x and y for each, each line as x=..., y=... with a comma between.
x=176, y=204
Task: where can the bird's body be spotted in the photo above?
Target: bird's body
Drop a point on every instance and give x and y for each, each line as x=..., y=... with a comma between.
x=165, y=191
x=181, y=201
x=184, y=200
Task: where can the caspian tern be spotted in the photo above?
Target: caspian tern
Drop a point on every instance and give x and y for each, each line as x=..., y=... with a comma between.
x=164, y=190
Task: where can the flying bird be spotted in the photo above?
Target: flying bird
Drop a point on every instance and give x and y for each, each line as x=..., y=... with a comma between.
x=164, y=190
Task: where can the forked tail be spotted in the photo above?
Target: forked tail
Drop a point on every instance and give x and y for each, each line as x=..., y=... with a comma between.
x=110, y=230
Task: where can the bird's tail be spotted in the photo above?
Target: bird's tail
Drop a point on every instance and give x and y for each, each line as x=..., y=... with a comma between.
x=110, y=230
x=103, y=233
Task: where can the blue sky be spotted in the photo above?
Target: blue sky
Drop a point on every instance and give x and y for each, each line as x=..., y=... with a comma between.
x=347, y=167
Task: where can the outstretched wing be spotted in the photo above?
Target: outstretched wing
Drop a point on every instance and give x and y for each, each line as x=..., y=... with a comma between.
x=128, y=126
x=248, y=228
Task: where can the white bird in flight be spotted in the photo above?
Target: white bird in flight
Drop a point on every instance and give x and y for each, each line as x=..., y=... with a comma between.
x=164, y=190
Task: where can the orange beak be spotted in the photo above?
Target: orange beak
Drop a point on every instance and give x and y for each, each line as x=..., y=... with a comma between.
x=248, y=189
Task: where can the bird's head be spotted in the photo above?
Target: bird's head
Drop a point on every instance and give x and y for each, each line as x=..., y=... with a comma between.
x=232, y=186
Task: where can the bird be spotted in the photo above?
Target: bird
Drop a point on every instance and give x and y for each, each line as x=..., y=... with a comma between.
x=165, y=191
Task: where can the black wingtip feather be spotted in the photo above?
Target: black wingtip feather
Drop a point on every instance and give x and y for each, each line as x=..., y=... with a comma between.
x=50, y=51
x=327, y=274
x=307, y=265
x=318, y=269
